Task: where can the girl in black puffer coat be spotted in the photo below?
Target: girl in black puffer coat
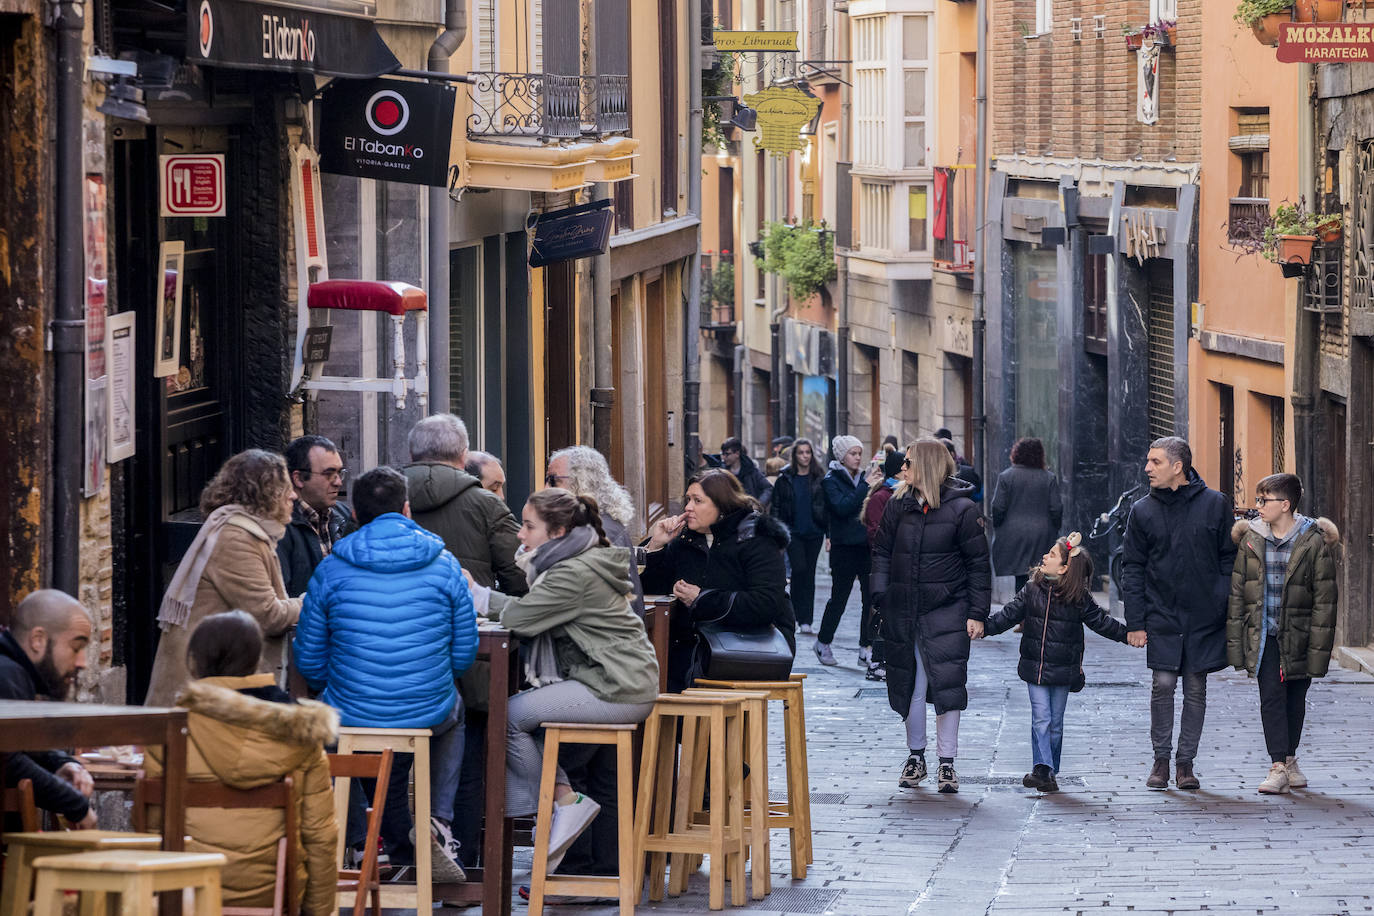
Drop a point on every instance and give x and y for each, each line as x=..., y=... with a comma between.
x=932, y=585
x=1054, y=606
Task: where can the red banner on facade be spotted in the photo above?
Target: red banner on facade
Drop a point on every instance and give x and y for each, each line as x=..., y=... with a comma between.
x=1317, y=42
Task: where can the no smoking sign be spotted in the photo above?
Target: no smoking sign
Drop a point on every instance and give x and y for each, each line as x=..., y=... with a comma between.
x=193, y=185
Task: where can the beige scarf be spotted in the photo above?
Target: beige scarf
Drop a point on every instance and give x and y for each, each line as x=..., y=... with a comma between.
x=181, y=593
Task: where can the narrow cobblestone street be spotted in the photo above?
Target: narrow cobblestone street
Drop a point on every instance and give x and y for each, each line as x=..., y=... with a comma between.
x=1105, y=843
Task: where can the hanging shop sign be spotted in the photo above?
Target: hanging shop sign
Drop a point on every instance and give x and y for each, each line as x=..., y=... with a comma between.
x=1318, y=42
x=392, y=130
x=755, y=41
x=782, y=115
x=192, y=185
x=577, y=232
x=301, y=37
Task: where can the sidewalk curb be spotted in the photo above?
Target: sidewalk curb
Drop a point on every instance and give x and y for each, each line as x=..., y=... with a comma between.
x=1356, y=658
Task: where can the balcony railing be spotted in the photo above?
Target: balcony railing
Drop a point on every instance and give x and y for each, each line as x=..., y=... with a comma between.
x=1246, y=219
x=605, y=104
x=539, y=105
x=953, y=214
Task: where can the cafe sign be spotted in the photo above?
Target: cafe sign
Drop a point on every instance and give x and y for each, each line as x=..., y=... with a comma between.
x=387, y=129
x=1322, y=42
x=574, y=232
x=782, y=115
x=755, y=41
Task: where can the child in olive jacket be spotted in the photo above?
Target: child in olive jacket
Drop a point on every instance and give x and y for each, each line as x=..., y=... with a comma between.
x=1281, y=621
x=1054, y=606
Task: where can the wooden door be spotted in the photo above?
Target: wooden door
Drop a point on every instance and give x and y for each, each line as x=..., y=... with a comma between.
x=560, y=344
x=656, y=432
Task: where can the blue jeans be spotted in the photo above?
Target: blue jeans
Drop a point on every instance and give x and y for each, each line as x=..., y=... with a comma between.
x=1047, y=723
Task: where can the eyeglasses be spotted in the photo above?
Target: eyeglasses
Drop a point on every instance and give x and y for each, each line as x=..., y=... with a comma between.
x=906, y=462
x=329, y=474
x=1261, y=500
x=552, y=479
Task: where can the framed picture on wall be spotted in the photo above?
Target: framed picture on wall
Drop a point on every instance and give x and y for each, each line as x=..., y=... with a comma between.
x=172, y=257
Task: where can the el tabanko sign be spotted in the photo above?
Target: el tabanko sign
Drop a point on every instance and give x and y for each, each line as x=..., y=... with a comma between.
x=392, y=130
x=1318, y=42
x=292, y=35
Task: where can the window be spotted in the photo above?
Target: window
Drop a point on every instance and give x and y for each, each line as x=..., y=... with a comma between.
x=875, y=215
x=915, y=58
x=1163, y=9
x=1276, y=435
x=870, y=89
x=1095, y=303
x=918, y=210
x=1254, y=174
x=1249, y=210
x=1044, y=22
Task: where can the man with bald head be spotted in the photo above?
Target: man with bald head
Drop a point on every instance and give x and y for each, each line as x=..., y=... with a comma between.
x=41, y=655
x=486, y=467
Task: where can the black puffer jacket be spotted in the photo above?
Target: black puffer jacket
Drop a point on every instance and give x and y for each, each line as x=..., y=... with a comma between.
x=1052, y=639
x=844, y=501
x=741, y=575
x=783, y=504
x=1177, y=557
x=299, y=550
x=931, y=576
x=753, y=480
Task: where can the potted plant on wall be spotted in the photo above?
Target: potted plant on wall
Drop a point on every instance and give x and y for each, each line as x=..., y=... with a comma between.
x=1162, y=33
x=1135, y=37
x=1264, y=17
x=1318, y=10
x=1290, y=238
x=803, y=255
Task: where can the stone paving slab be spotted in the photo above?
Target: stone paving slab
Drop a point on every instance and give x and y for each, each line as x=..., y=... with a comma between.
x=1105, y=845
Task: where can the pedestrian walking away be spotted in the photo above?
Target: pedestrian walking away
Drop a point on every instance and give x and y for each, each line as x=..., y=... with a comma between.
x=1054, y=606
x=1026, y=512
x=932, y=583
x=589, y=658
x=846, y=487
x=722, y=558
x=1281, y=623
x=799, y=503
x=1177, y=558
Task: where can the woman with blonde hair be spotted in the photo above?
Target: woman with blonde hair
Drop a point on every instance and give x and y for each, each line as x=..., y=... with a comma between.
x=932, y=585
x=232, y=564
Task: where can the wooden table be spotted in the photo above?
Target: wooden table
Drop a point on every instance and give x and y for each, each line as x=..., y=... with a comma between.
x=490, y=885
x=35, y=726
x=658, y=614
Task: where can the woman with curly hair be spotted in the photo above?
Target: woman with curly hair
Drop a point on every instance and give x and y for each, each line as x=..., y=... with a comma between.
x=583, y=470
x=231, y=565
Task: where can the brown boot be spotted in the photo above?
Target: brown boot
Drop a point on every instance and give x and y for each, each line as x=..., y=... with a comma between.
x=1159, y=776
x=1183, y=776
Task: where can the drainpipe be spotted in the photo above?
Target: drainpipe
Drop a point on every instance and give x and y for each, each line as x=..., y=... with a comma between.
x=455, y=31
x=68, y=327
x=603, y=370
x=1305, y=330
x=691, y=332
x=980, y=219
x=842, y=254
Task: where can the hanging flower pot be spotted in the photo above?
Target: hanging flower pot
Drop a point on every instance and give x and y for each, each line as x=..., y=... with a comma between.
x=1266, y=28
x=1317, y=10
x=1135, y=41
x=1329, y=231
x=1296, y=249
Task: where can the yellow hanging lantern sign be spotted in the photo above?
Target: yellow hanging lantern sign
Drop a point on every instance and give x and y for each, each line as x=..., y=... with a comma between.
x=782, y=115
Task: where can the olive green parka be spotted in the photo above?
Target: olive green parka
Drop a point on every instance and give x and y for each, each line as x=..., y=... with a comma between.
x=1307, y=612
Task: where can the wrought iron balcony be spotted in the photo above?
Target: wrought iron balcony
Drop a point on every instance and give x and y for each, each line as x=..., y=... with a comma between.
x=540, y=105
x=605, y=104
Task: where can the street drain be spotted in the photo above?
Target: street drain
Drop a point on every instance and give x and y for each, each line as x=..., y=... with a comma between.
x=1117, y=684
x=870, y=692
x=995, y=781
x=817, y=798
x=803, y=899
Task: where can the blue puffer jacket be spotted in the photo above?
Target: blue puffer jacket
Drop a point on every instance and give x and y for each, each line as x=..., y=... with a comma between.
x=386, y=626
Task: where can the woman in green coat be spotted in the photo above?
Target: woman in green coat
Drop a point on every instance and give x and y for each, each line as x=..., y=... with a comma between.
x=589, y=657
x=1282, y=615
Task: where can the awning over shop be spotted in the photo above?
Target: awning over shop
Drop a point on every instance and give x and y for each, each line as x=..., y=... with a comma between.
x=329, y=38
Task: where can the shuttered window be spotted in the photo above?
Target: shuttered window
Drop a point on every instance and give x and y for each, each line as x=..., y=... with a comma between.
x=1161, y=349
x=561, y=24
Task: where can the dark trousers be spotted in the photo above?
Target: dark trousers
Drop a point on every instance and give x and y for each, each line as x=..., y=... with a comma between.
x=591, y=770
x=396, y=821
x=470, y=805
x=847, y=563
x=802, y=553
x=1165, y=684
x=1283, y=705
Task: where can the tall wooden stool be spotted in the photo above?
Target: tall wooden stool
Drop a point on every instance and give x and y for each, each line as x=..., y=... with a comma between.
x=722, y=837
x=793, y=814
x=756, y=803
x=136, y=875
x=23, y=848
x=622, y=885
x=401, y=741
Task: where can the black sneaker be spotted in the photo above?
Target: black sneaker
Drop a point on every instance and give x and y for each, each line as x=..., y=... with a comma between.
x=948, y=780
x=875, y=672
x=913, y=772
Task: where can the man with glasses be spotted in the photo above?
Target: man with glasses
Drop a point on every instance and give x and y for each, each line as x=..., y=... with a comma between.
x=318, y=519
x=1177, y=560
x=743, y=467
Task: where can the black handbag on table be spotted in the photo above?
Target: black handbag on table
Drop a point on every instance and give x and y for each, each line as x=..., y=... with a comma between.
x=725, y=654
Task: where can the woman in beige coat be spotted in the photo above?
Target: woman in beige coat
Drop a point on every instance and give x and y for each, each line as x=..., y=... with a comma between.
x=232, y=564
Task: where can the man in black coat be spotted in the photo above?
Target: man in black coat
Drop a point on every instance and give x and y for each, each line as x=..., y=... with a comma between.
x=318, y=519
x=743, y=467
x=1177, y=557
x=41, y=654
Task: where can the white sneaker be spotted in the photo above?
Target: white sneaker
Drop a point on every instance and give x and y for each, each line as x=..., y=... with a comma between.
x=806, y=630
x=1276, y=783
x=823, y=653
x=443, y=854
x=865, y=656
x=1296, y=778
x=568, y=823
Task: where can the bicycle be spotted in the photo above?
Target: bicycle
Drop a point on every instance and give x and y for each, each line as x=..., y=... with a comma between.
x=1111, y=521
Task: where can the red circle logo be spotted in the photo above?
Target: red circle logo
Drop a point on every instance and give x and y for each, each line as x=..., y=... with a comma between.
x=207, y=28
x=387, y=112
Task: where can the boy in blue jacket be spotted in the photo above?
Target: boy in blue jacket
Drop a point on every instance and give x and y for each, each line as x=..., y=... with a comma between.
x=386, y=628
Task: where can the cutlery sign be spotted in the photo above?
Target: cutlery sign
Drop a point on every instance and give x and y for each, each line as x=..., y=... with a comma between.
x=193, y=185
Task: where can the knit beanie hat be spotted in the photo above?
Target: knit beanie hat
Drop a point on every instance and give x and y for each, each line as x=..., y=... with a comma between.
x=841, y=444
x=892, y=465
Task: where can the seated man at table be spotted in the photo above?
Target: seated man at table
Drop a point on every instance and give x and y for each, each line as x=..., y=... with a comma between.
x=41, y=654
x=386, y=627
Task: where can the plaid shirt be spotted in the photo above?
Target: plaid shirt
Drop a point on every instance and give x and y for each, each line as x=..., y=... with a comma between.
x=320, y=524
x=1277, y=553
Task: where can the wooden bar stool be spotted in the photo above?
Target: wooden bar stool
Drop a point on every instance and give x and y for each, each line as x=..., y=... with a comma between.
x=756, y=803
x=136, y=875
x=793, y=814
x=622, y=885
x=402, y=895
x=21, y=849
x=722, y=837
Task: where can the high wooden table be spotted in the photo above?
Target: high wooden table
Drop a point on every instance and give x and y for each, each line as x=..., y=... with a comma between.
x=658, y=615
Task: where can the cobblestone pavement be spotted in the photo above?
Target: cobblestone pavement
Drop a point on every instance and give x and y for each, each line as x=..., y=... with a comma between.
x=1105, y=844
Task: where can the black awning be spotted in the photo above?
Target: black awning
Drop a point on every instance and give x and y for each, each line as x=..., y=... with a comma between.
x=294, y=37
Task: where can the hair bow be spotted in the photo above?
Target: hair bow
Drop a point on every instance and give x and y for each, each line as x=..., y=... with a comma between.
x=1073, y=542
